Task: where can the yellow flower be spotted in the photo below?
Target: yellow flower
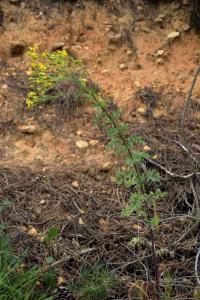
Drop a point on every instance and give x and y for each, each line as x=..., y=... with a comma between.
x=33, y=65
x=62, y=53
x=32, y=99
x=45, y=54
x=41, y=66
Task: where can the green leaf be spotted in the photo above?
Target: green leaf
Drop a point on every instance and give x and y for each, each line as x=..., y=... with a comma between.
x=152, y=176
x=135, y=203
x=135, y=139
x=2, y=226
x=157, y=194
x=4, y=204
x=128, y=178
x=50, y=279
x=136, y=241
x=137, y=158
x=154, y=222
x=50, y=259
x=52, y=233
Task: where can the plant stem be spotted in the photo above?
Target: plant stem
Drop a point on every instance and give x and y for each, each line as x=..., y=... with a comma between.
x=142, y=190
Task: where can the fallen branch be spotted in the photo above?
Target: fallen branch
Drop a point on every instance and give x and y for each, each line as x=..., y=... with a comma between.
x=174, y=175
x=196, y=266
x=188, y=100
x=67, y=258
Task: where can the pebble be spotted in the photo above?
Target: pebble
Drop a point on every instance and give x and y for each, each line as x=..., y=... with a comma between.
x=82, y=144
x=105, y=71
x=57, y=46
x=4, y=86
x=33, y=231
x=93, y=142
x=123, y=67
x=146, y=148
x=137, y=83
x=173, y=35
x=141, y=110
x=129, y=52
x=75, y=184
x=107, y=166
x=42, y=202
x=27, y=129
x=160, y=52
x=79, y=132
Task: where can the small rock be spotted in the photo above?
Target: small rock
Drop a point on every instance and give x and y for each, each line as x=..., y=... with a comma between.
x=79, y=132
x=57, y=46
x=158, y=113
x=80, y=221
x=4, y=87
x=129, y=52
x=82, y=144
x=75, y=184
x=173, y=35
x=137, y=83
x=42, y=202
x=147, y=148
x=60, y=280
x=160, y=52
x=17, y=48
x=27, y=129
x=141, y=110
x=33, y=231
x=105, y=71
x=93, y=142
x=123, y=67
x=107, y=166
x=115, y=39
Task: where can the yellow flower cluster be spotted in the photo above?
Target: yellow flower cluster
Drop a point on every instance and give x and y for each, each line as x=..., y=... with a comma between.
x=62, y=53
x=33, y=52
x=47, y=70
x=39, y=66
x=32, y=99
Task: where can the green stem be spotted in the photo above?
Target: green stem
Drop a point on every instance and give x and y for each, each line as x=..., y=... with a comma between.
x=142, y=190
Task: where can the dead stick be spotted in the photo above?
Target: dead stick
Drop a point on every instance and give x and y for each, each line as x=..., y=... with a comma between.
x=188, y=100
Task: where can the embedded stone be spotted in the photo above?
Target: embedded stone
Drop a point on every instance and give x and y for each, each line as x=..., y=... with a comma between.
x=82, y=144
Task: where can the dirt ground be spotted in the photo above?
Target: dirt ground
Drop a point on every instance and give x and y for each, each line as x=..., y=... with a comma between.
x=51, y=181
